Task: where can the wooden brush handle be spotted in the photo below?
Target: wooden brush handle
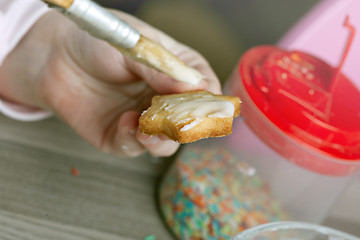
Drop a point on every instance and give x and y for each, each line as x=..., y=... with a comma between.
x=60, y=3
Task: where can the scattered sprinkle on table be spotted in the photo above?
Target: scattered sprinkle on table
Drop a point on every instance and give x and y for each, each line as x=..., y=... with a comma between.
x=150, y=237
x=75, y=172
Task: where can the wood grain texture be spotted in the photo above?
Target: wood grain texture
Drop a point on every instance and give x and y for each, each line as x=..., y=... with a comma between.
x=16, y=226
x=113, y=198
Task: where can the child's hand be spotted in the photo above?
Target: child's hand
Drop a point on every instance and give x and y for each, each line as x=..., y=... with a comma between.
x=92, y=86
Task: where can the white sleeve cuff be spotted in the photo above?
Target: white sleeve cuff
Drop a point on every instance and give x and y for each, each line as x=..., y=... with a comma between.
x=21, y=112
x=16, y=18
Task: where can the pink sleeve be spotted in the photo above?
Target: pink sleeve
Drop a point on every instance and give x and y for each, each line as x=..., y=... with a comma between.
x=16, y=18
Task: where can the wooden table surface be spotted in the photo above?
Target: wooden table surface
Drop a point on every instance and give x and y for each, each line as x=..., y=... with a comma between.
x=111, y=198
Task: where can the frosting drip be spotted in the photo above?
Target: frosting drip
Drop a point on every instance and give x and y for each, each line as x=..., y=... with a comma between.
x=195, y=108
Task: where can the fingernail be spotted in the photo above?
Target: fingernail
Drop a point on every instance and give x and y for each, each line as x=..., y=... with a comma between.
x=124, y=147
x=132, y=131
x=150, y=139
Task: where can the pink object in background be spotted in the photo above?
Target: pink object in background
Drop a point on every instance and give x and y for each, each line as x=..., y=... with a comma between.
x=300, y=127
x=321, y=33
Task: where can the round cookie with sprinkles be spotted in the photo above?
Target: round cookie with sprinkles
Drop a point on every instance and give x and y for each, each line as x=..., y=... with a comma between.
x=210, y=194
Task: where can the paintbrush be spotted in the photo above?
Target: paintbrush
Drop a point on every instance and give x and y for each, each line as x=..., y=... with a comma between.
x=104, y=25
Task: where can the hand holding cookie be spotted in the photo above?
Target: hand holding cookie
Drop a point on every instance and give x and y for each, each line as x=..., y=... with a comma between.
x=94, y=88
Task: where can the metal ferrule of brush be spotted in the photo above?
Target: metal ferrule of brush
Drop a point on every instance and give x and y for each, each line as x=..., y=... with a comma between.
x=102, y=24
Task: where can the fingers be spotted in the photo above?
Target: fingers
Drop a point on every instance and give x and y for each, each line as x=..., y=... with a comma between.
x=160, y=146
x=129, y=141
x=159, y=81
x=108, y=64
x=124, y=141
x=104, y=63
x=195, y=60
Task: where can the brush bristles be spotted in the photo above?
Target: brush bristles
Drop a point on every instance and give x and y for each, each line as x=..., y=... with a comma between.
x=156, y=56
x=60, y=3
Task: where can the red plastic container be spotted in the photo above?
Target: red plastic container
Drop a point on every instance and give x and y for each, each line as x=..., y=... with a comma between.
x=301, y=107
x=300, y=128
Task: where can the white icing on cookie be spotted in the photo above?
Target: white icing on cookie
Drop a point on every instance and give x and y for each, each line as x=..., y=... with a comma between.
x=195, y=108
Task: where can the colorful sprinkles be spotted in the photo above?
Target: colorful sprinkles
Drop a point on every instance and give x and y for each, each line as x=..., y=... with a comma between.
x=210, y=194
x=150, y=237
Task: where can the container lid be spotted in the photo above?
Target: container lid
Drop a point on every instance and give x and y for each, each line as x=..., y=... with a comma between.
x=283, y=230
x=306, y=98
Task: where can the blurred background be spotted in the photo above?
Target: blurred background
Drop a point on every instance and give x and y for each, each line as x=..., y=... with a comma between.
x=219, y=30
x=222, y=30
